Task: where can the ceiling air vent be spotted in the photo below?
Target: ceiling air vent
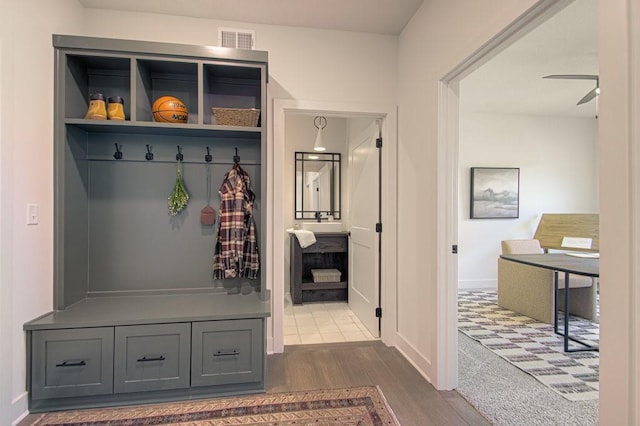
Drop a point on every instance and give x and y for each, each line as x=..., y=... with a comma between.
x=240, y=39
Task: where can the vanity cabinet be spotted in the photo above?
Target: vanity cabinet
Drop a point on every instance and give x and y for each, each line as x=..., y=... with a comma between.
x=133, y=287
x=330, y=251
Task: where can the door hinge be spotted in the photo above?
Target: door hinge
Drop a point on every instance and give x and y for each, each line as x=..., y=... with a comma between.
x=378, y=312
x=378, y=227
x=379, y=143
x=454, y=249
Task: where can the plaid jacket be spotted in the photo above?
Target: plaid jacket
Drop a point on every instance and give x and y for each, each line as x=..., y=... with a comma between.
x=236, y=252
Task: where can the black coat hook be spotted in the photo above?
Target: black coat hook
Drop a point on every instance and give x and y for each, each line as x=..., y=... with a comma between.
x=149, y=154
x=179, y=156
x=236, y=158
x=208, y=157
x=118, y=154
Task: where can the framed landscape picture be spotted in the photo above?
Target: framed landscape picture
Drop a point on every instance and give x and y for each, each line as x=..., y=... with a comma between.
x=495, y=193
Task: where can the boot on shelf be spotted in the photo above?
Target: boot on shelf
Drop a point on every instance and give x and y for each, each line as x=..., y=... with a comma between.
x=97, y=107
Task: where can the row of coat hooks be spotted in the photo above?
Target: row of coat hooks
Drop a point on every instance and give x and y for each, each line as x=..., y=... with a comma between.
x=179, y=156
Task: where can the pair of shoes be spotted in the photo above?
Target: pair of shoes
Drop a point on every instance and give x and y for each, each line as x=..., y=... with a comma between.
x=98, y=109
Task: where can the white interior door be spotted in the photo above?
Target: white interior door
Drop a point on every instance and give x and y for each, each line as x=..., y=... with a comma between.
x=363, y=215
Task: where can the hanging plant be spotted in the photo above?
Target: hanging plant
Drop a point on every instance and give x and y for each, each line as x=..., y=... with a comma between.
x=179, y=196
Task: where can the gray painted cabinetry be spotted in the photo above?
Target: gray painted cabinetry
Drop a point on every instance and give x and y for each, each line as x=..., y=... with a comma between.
x=151, y=357
x=76, y=362
x=137, y=316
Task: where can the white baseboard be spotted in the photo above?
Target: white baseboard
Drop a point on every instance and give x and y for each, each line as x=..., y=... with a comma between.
x=19, y=408
x=488, y=284
x=269, y=345
x=415, y=358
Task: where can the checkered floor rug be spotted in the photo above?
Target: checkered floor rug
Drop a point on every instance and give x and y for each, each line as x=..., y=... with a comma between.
x=532, y=346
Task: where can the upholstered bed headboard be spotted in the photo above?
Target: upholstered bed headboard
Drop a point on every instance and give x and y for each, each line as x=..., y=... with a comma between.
x=569, y=231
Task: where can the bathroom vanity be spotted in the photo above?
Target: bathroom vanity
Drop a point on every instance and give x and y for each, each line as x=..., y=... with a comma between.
x=331, y=251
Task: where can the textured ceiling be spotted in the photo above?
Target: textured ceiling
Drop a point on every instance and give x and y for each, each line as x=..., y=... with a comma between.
x=369, y=16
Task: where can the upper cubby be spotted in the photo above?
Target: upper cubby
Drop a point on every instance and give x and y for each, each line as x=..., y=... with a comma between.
x=157, y=78
x=203, y=77
x=230, y=86
x=86, y=75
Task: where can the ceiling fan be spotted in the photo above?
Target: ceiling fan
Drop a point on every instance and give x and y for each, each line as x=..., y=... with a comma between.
x=589, y=96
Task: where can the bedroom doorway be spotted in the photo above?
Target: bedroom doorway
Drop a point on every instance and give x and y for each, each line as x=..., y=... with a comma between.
x=455, y=204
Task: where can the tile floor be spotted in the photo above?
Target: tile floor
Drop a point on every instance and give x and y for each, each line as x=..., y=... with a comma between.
x=319, y=322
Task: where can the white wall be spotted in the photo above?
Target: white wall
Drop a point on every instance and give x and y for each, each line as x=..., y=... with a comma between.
x=26, y=175
x=440, y=36
x=558, y=174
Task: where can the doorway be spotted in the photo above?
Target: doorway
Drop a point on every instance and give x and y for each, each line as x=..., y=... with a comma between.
x=385, y=115
x=456, y=206
x=328, y=286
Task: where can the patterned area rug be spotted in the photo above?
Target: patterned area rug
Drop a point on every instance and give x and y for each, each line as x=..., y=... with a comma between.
x=533, y=346
x=353, y=406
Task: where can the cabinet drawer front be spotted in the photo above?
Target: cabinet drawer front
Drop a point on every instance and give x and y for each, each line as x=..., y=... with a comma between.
x=152, y=357
x=226, y=352
x=73, y=362
x=327, y=244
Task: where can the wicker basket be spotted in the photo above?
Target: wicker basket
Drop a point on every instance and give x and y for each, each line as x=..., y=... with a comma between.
x=236, y=116
x=326, y=275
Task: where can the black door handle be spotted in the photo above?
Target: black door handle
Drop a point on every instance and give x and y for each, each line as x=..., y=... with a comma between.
x=72, y=364
x=220, y=353
x=145, y=359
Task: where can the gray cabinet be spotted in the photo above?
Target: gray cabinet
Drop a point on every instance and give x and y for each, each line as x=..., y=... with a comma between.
x=330, y=251
x=71, y=363
x=226, y=352
x=130, y=280
x=152, y=357
x=128, y=364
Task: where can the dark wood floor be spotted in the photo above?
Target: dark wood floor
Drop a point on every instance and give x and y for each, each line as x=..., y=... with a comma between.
x=412, y=398
x=338, y=365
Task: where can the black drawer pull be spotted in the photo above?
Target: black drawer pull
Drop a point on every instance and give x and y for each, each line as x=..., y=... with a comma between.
x=72, y=364
x=145, y=359
x=220, y=353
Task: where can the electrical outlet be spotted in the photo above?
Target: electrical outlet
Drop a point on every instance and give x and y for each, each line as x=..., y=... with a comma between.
x=32, y=214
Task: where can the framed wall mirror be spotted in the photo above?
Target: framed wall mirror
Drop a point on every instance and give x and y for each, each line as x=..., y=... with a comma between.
x=317, y=187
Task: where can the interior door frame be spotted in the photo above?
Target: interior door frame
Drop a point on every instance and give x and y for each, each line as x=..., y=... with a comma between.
x=276, y=184
x=447, y=176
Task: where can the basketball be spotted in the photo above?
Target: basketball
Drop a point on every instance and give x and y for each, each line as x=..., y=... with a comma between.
x=168, y=109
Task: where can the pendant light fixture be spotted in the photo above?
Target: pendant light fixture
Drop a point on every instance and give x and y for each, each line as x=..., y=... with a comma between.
x=320, y=122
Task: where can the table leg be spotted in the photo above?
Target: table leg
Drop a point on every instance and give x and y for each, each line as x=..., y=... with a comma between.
x=555, y=301
x=565, y=324
x=566, y=312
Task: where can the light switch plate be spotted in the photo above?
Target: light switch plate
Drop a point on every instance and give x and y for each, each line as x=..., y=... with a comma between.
x=33, y=215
